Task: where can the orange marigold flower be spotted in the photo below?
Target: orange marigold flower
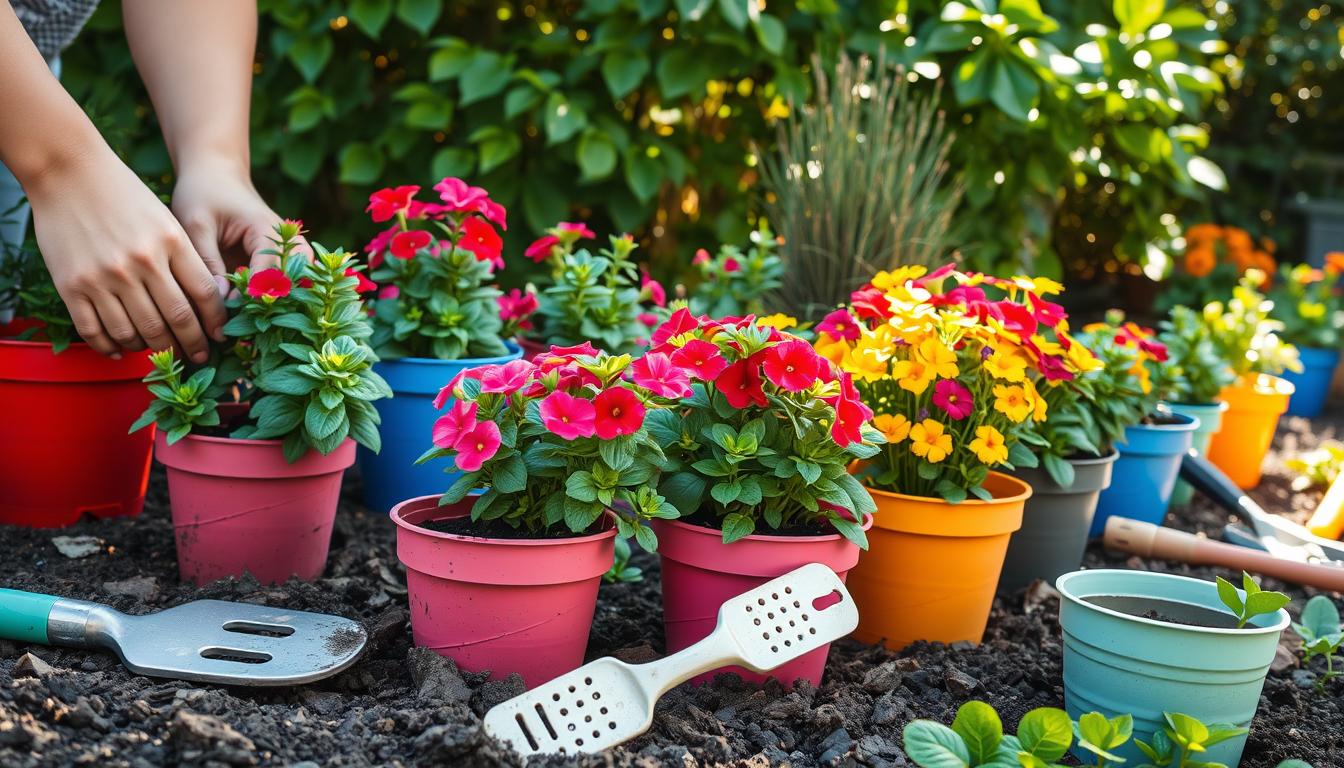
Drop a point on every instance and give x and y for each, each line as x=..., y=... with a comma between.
x=1334, y=262
x=1203, y=234
x=1200, y=260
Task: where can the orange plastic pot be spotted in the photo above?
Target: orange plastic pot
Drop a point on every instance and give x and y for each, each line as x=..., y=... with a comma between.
x=931, y=567
x=1254, y=406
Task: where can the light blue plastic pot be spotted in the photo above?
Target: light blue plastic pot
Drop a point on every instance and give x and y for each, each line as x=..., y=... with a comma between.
x=1313, y=383
x=391, y=476
x=1145, y=475
x=1115, y=663
x=1210, y=421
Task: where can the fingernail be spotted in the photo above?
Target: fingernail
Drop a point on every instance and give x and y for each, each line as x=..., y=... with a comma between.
x=222, y=283
x=116, y=355
x=200, y=357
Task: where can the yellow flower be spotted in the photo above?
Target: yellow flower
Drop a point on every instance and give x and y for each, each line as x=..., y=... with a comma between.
x=1140, y=371
x=1038, y=404
x=894, y=427
x=929, y=442
x=868, y=359
x=912, y=375
x=778, y=320
x=886, y=281
x=989, y=446
x=1311, y=310
x=834, y=350
x=1048, y=348
x=1012, y=402
x=1041, y=286
x=937, y=357
x=1082, y=359
x=1006, y=365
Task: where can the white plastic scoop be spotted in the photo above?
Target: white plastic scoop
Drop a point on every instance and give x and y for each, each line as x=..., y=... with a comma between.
x=606, y=702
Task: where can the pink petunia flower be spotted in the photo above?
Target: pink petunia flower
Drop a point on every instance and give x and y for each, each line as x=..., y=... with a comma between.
x=731, y=265
x=619, y=412
x=507, y=378
x=653, y=290
x=389, y=292
x=701, y=359
x=576, y=228
x=406, y=244
x=953, y=398
x=850, y=413
x=460, y=197
x=481, y=239
x=681, y=321
x=540, y=249
x=517, y=305
x=269, y=283
x=839, y=325
x=701, y=257
x=494, y=213
x=447, y=391
x=387, y=203
x=648, y=319
x=567, y=416
x=379, y=245
x=451, y=426
x=657, y=373
x=791, y=365
x=477, y=446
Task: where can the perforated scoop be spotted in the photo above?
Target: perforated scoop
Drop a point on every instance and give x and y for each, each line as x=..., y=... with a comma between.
x=606, y=702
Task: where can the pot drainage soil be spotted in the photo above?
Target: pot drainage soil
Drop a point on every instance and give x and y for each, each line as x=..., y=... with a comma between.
x=401, y=706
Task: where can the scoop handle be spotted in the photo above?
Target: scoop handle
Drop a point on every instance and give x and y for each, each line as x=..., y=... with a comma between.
x=23, y=615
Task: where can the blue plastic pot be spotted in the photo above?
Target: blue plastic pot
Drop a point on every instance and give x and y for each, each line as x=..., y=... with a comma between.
x=1145, y=474
x=391, y=476
x=1313, y=383
x=1115, y=663
x=1210, y=421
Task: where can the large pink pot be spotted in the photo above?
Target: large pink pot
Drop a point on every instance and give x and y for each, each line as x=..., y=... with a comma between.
x=700, y=572
x=239, y=506
x=504, y=605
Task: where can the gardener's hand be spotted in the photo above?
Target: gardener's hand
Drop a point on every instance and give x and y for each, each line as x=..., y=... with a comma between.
x=121, y=262
x=227, y=221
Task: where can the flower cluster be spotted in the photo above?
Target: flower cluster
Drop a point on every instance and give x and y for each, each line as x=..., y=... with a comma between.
x=298, y=349
x=736, y=283
x=1245, y=332
x=436, y=263
x=1215, y=257
x=763, y=429
x=557, y=441
x=1195, y=371
x=1308, y=303
x=950, y=362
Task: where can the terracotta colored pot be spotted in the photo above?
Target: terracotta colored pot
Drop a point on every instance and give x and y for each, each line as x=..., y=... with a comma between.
x=700, y=572
x=503, y=605
x=238, y=507
x=1254, y=407
x=65, y=451
x=932, y=567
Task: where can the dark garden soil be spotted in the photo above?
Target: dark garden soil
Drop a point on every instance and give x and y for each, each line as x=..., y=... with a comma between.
x=399, y=706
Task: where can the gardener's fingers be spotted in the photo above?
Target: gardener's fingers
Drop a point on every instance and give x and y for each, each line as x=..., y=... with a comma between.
x=200, y=282
x=90, y=328
x=205, y=239
x=170, y=317
x=112, y=315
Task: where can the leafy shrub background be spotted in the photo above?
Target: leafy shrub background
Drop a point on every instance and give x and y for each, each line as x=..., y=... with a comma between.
x=640, y=115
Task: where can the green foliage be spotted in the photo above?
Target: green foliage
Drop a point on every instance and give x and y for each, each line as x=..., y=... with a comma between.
x=1306, y=302
x=1181, y=739
x=591, y=298
x=179, y=406
x=1194, y=372
x=1246, y=333
x=1317, y=468
x=26, y=286
x=621, y=571
x=1321, y=635
x=1251, y=602
x=735, y=284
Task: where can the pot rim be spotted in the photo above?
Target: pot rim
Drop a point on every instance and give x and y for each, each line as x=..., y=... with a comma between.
x=1023, y=493
x=718, y=532
x=1265, y=384
x=1220, y=405
x=1187, y=423
x=412, y=528
x=465, y=362
x=1106, y=458
x=1062, y=584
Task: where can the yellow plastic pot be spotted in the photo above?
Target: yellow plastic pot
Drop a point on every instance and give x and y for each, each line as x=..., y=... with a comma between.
x=1254, y=406
x=931, y=567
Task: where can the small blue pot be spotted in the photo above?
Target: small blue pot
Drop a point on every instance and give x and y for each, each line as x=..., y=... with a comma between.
x=1313, y=383
x=391, y=476
x=1145, y=474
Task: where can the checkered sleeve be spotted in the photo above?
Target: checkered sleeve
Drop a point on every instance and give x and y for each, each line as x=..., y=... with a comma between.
x=52, y=24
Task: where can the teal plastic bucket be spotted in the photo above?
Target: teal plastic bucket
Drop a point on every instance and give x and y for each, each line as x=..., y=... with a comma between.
x=1115, y=663
x=1210, y=421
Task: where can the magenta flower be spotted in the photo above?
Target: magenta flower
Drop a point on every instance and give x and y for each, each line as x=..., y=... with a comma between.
x=269, y=283
x=540, y=249
x=619, y=412
x=477, y=446
x=653, y=291
x=648, y=319
x=850, y=413
x=701, y=257
x=791, y=365
x=451, y=426
x=507, y=378
x=406, y=244
x=519, y=306
x=681, y=321
x=447, y=391
x=577, y=228
x=460, y=197
x=387, y=203
x=701, y=359
x=568, y=416
x=389, y=292
x=954, y=398
x=657, y=373
x=730, y=265
x=839, y=325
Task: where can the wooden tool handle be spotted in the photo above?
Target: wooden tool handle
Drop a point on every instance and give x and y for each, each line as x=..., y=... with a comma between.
x=1148, y=540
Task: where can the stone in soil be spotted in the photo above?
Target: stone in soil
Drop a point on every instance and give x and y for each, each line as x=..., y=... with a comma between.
x=404, y=707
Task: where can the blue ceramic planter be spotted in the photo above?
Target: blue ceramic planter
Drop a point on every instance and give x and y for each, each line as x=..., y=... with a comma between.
x=391, y=476
x=1313, y=383
x=1210, y=421
x=1145, y=474
x=1116, y=663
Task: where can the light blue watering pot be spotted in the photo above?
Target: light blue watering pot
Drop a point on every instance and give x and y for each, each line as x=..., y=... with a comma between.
x=1144, y=476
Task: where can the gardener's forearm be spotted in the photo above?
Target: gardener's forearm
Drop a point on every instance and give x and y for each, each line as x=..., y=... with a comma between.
x=195, y=57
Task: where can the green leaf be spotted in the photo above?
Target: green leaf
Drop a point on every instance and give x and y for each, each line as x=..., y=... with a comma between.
x=737, y=526
x=1321, y=616
x=509, y=475
x=623, y=69
x=1136, y=16
x=311, y=54
x=322, y=422
x=735, y=12
x=564, y=119
x=980, y=730
x=1227, y=592
x=464, y=484
x=973, y=76
x=452, y=161
x=1014, y=88
x=726, y=493
x=1266, y=602
x=682, y=71
x=370, y=15
x=643, y=174
x=1046, y=733
x=419, y=15
x=580, y=486
x=685, y=490
x=450, y=60
x=597, y=155
x=486, y=76
x=692, y=10
x=360, y=163
x=934, y=745
x=771, y=33
x=497, y=146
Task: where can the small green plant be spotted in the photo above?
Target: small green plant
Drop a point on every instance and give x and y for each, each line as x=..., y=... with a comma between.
x=1251, y=600
x=179, y=406
x=26, y=286
x=1181, y=739
x=621, y=571
x=1306, y=302
x=590, y=298
x=1317, y=468
x=1245, y=332
x=734, y=283
x=976, y=738
x=1321, y=635
x=1194, y=372
x=1102, y=735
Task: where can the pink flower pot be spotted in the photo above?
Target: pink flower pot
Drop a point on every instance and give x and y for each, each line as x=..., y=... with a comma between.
x=531, y=348
x=504, y=605
x=238, y=507
x=700, y=572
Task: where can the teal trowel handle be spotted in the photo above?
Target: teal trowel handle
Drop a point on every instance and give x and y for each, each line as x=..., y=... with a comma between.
x=23, y=615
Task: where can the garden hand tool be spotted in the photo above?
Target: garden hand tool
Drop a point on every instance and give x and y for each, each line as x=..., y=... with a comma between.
x=1148, y=540
x=606, y=702
x=209, y=641
x=1280, y=536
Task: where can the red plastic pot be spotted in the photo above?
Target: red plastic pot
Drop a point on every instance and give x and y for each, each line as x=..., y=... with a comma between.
x=700, y=572
x=239, y=507
x=532, y=349
x=503, y=605
x=65, y=451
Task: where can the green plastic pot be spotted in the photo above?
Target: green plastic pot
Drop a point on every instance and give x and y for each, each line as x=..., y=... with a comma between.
x=1055, y=522
x=1210, y=421
x=1116, y=663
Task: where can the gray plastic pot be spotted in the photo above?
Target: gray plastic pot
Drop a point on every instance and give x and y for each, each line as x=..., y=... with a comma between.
x=1055, y=523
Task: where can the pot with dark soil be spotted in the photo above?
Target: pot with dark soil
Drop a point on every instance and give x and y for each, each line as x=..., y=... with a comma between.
x=1145, y=643
x=1144, y=477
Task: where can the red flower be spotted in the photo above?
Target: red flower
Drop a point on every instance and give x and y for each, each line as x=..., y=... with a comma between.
x=1047, y=313
x=516, y=305
x=962, y=294
x=619, y=412
x=656, y=372
x=681, y=321
x=269, y=283
x=701, y=257
x=481, y=239
x=654, y=290
x=953, y=398
x=850, y=413
x=406, y=244
x=740, y=384
x=389, y=292
x=839, y=325
x=460, y=197
x=363, y=284
x=730, y=265
x=540, y=249
x=387, y=203
x=791, y=365
x=701, y=358
x=871, y=304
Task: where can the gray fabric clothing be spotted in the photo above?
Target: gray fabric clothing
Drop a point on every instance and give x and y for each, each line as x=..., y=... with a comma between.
x=52, y=24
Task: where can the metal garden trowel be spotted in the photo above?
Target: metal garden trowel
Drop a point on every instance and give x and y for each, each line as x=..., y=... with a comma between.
x=210, y=641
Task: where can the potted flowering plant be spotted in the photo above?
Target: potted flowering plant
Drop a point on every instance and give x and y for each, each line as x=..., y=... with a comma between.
x=1308, y=303
x=438, y=313
x=733, y=283
x=1214, y=259
x=594, y=298
x=53, y=384
x=1191, y=380
x=255, y=444
x=1248, y=337
x=555, y=461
